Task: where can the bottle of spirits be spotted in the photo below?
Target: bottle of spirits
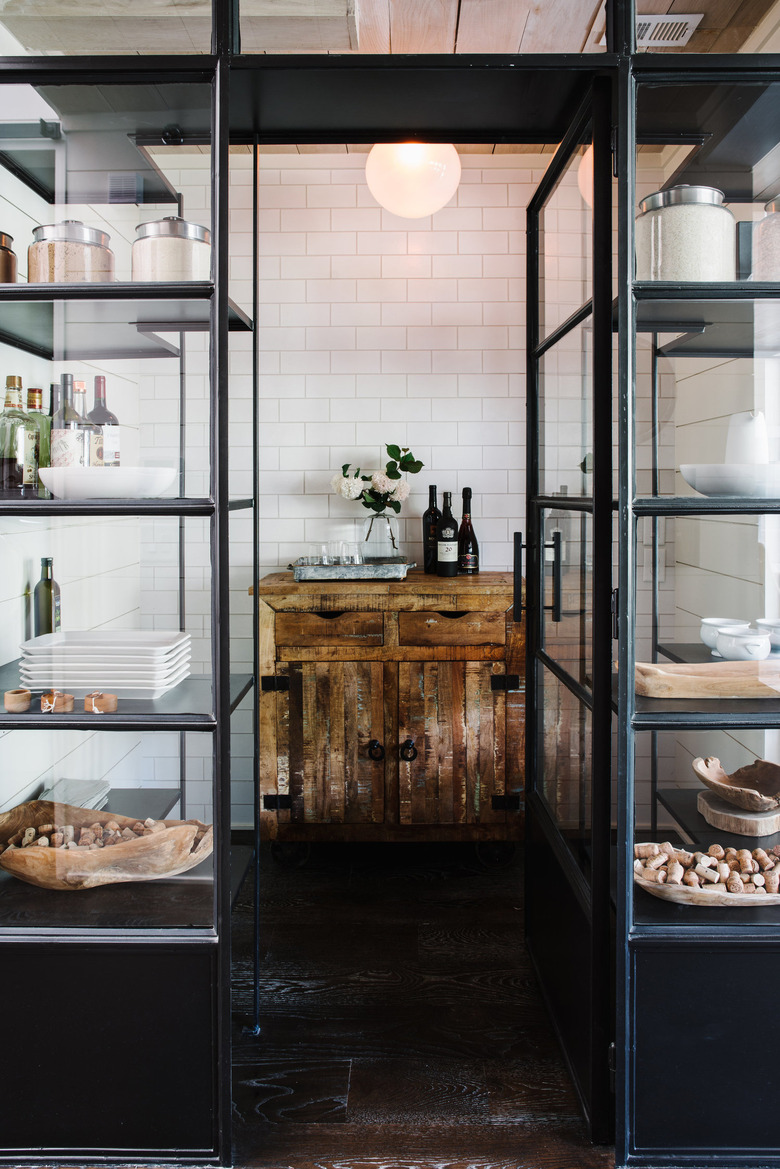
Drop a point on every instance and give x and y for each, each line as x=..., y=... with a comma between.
x=93, y=434
x=37, y=445
x=430, y=519
x=68, y=447
x=101, y=416
x=13, y=423
x=46, y=600
x=468, y=548
x=447, y=540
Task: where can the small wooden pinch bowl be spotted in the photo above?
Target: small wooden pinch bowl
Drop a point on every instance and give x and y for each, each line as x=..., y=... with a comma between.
x=99, y=703
x=164, y=853
x=17, y=701
x=55, y=702
x=756, y=787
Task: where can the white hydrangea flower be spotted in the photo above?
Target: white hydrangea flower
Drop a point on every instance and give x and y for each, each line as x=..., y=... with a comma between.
x=349, y=487
x=401, y=490
x=381, y=482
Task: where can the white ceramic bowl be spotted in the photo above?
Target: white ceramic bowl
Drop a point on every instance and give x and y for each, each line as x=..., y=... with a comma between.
x=740, y=645
x=755, y=480
x=710, y=626
x=107, y=482
x=770, y=625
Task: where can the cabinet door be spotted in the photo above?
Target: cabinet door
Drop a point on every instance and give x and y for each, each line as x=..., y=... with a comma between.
x=327, y=723
x=456, y=722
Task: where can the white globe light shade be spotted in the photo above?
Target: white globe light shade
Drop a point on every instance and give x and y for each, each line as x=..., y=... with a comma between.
x=413, y=179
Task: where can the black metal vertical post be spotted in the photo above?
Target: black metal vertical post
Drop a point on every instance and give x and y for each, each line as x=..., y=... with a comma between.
x=255, y=561
x=182, y=545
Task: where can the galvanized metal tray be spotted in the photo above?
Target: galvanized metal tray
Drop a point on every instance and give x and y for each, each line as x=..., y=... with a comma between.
x=371, y=570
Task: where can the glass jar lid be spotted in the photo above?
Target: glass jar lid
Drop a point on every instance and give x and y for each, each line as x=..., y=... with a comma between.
x=71, y=231
x=6, y=241
x=682, y=193
x=173, y=226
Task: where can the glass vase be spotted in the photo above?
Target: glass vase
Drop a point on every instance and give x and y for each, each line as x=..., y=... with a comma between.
x=380, y=538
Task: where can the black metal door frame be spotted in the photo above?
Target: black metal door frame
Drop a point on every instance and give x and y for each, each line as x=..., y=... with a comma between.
x=594, y=895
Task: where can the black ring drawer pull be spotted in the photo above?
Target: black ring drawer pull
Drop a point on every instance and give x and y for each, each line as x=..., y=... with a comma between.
x=408, y=751
x=376, y=750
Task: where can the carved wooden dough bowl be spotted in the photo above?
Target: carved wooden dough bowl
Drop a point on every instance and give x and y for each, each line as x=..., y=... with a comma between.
x=713, y=896
x=708, y=679
x=756, y=787
x=147, y=858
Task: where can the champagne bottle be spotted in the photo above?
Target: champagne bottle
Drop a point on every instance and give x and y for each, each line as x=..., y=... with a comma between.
x=108, y=422
x=67, y=433
x=447, y=540
x=37, y=445
x=468, y=548
x=93, y=434
x=430, y=519
x=46, y=600
x=13, y=423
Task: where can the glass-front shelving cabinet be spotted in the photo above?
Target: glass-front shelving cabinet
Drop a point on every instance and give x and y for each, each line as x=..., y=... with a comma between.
x=700, y=516
x=114, y=778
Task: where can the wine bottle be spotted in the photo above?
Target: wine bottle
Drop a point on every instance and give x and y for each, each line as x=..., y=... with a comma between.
x=93, y=435
x=430, y=519
x=37, y=445
x=13, y=422
x=468, y=548
x=108, y=422
x=447, y=540
x=67, y=432
x=46, y=600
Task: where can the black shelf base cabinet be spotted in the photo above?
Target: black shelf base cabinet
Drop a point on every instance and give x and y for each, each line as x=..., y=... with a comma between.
x=116, y=1059
x=704, y=1091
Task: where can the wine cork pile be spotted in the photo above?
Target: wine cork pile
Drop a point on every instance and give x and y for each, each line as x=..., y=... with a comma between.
x=731, y=870
x=93, y=837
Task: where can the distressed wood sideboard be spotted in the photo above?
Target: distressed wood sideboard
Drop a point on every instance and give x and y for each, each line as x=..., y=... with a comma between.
x=391, y=710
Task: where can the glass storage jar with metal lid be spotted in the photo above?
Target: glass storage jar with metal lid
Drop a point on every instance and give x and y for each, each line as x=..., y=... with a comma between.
x=7, y=260
x=69, y=251
x=685, y=233
x=766, y=243
x=171, y=249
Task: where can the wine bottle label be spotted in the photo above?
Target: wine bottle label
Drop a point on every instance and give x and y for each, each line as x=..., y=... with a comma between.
x=447, y=551
x=56, y=613
x=31, y=452
x=94, y=440
x=67, y=448
x=469, y=562
x=110, y=446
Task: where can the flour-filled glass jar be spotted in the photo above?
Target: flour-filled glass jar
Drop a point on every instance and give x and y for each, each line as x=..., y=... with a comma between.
x=69, y=251
x=685, y=233
x=171, y=249
x=766, y=243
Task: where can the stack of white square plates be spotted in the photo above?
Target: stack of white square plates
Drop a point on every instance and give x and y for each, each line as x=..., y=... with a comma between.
x=131, y=663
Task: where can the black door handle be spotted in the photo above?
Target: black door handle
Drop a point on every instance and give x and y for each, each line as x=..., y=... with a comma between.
x=517, y=585
x=376, y=750
x=557, y=576
x=407, y=750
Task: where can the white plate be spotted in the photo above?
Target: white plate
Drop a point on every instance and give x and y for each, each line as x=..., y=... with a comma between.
x=103, y=675
x=753, y=480
x=152, y=642
x=122, y=691
x=114, y=664
x=107, y=482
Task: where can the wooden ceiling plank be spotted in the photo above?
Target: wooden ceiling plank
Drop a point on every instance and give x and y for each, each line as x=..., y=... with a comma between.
x=373, y=26
x=491, y=26
x=425, y=26
x=558, y=26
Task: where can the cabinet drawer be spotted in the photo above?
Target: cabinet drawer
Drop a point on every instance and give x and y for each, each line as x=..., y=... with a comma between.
x=311, y=629
x=452, y=628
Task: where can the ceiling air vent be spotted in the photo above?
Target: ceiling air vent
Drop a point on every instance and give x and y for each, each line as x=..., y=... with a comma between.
x=665, y=31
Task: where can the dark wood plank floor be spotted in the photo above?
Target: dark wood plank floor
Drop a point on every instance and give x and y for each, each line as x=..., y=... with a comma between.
x=402, y=1025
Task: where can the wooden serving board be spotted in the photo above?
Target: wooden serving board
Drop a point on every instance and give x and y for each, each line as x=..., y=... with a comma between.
x=706, y=898
x=728, y=818
x=708, y=679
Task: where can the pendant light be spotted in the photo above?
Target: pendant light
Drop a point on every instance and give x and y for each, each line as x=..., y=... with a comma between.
x=413, y=179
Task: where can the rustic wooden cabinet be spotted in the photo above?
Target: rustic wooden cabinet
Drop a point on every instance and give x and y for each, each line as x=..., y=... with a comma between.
x=391, y=710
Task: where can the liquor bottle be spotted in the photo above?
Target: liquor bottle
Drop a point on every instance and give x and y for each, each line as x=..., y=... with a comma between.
x=101, y=416
x=67, y=431
x=93, y=435
x=430, y=519
x=468, y=548
x=447, y=540
x=55, y=395
x=37, y=445
x=13, y=422
x=46, y=600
